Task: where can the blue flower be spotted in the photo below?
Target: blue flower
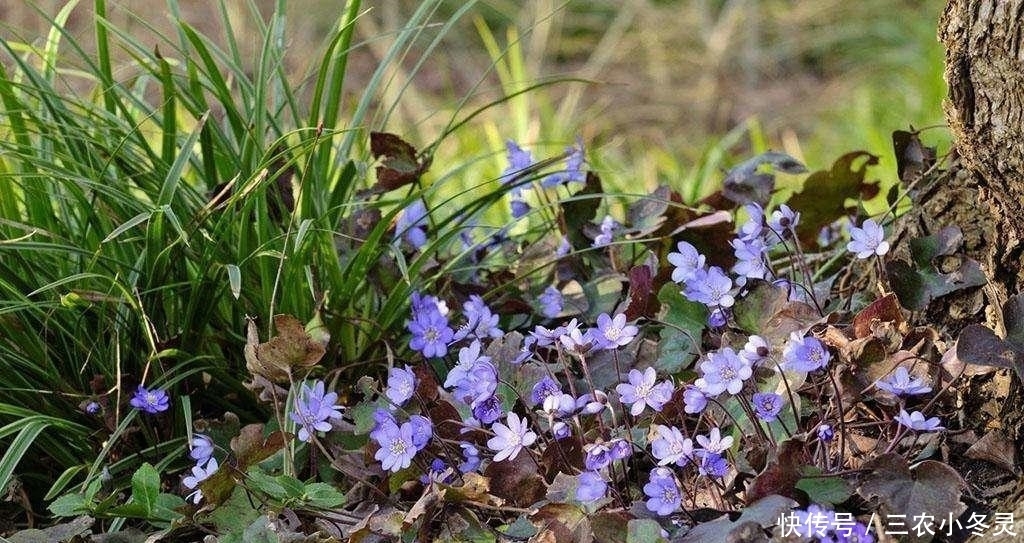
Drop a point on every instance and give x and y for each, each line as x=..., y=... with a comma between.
x=430, y=334
x=694, y=401
x=511, y=437
x=901, y=383
x=480, y=321
x=199, y=474
x=559, y=405
x=472, y=456
x=596, y=456
x=711, y=287
x=754, y=227
x=313, y=410
x=804, y=354
x=916, y=421
x=868, y=240
x=474, y=379
x=756, y=350
x=422, y=431
x=202, y=448
x=718, y=318
x=663, y=492
x=560, y=430
x=401, y=385
x=439, y=471
x=573, y=172
x=608, y=227
x=670, y=447
x=826, y=433
x=93, y=408
x=590, y=486
x=613, y=333
x=642, y=391
x=784, y=221
x=488, y=410
x=592, y=403
x=767, y=405
x=750, y=258
x=686, y=261
x=519, y=160
x=396, y=446
x=545, y=387
x=714, y=442
x=520, y=208
x=713, y=465
x=550, y=302
x=411, y=224
x=150, y=401
x=724, y=370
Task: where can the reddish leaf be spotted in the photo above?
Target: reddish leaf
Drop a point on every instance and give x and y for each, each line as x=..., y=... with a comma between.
x=250, y=447
x=426, y=383
x=517, y=480
x=446, y=420
x=884, y=309
x=401, y=163
x=638, y=300
x=782, y=473
x=568, y=523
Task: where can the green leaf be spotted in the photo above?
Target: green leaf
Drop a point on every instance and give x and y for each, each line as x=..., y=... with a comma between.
x=323, y=495
x=643, y=531
x=145, y=488
x=680, y=338
x=935, y=270
x=70, y=505
x=831, y=490
x=266, y=484
x=236, y=513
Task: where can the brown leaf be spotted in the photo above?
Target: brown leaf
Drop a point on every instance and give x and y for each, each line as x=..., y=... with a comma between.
x=568, y=523
x=639, y=302
x=401, y=163
x=996, y=447
x=782, y=473
x=292, y=348
x=884, y=309
x=250, y=447
x=516, y=480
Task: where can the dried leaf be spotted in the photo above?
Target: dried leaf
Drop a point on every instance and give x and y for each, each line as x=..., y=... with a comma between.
x=996, y=447
x=912, y=157
x=568, y=523
x=744, y=184
x=516, y=480
x=251, y=448
x=401, y=164
x=884, y=309
x=782, y=473
x=292, y=348
x=638, y=300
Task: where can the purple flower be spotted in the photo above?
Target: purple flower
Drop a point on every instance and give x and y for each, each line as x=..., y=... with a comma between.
x=868, y=240
x=563, y=248
x=488, y=410
x=93, y=408
x=642, y=391
x=753, y=228
x=560, y=430
x=439, y=471
x=401, y=385
x=510, y=438
x=614, y=332
x=574, y=339
x=756, y=350
x=619, y=449
x=518, y=160
x=199, y=474
x=663, y=492
x=202, y=448
x=723, y=371
x=544, y=388
x=545, y=337
x=713, y=465
x=430, y=334
x=422, y=431
x=783, y=221
x=592, y=403
x=559, y=405
x=520, y=208
x=411, y=224
x=313, y=409
x=472, y=455
x=573, y=168
x=150, y=401
x=596, y=456
x=591, y=486
x=479, y=383
x=480, y=321
x=714, y=442
x=421, y=304
x=383, y=423
x=525, y=351
x=710, y=287
x=687, y=261
x=826, y=433
x=804, y=354
x=694, y=401
x=901, y=383
x=750, y=258
x=608, y=227
x=396, y=446
x=670, y=447
x=718, y=318
x=767, y=405
x=916, y=421
x=550, y=302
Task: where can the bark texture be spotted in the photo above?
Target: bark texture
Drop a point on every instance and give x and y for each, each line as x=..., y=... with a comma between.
x=984, y=42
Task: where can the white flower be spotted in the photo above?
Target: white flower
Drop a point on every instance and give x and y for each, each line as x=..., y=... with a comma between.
x=510, y=438
x=714, y=442
x=868, y=240
x=199, y=474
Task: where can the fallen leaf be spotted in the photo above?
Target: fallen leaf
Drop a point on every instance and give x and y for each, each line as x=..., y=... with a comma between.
x=292, y=348
x=996, y=447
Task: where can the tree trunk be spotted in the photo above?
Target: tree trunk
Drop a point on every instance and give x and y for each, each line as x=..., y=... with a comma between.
x=984, y=194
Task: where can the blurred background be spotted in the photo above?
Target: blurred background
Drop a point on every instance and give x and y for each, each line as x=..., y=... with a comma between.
x=667, y=91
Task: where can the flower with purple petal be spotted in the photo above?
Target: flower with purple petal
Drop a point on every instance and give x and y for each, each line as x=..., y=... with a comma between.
x=574, y=338
x=750, y=258
x=511, y=437
x=472, y=456
x=756, y=350
x=412, y=223
x=686, y=261
x=439, y=472
x=201, y=448
x=670, y=447
x=573, y=172
x=592, y=403
x=93, y=408
x=550, y=302
x=868, y=240
x=401, y=385
x=480, y=321
x=519, y=160
x=724, y=370
x=150, y=401
x=694, y=401
x=754, y=227
x=714, y=442
x=560, y=430
x=917, y=421
x=559, y=405
x=596, y=456
x=718, y=318
x=642, y=390
x=590, y=486
x=901, y=383
x=662, y=491
x=545, y=387
x=314, y=409
x=784, y=221
x=619, y=449
x=613, y=333
x=199, y=474
x=422, y=431
x=608, y=228
x=564, y=248
x=713, y=465
x=430, y=334
x=525, y=351
x=396, y=447
x=488, y=410
x=519, y=206
x=767, y=405
x=826, y=433
x=711, y=287
x=546, y=337
x=804, y=354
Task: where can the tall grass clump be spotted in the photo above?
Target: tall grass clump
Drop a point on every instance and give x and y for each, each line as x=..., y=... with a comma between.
x=154, y=195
